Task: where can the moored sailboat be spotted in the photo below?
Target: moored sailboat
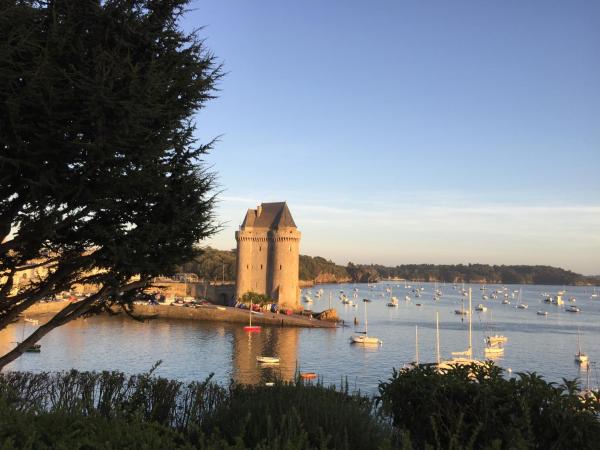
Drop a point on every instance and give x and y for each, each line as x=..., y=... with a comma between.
x=251, y=328
x=363, y=337
x=464, y=357
x=580, y=357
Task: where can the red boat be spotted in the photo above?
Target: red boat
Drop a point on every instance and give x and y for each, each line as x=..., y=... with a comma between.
x=251, y=328
x=308, y=375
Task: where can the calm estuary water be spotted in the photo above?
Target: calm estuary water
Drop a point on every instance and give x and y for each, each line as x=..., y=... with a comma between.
x=192, y=350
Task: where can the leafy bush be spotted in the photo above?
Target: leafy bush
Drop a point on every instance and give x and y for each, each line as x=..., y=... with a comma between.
x=256, y=299
x=102, y=406
x=61, y=430
x=468, y=407
x=476, y=407
x=315, y=416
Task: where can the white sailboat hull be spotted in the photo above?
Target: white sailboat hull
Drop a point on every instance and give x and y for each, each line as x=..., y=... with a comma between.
x=365, y=340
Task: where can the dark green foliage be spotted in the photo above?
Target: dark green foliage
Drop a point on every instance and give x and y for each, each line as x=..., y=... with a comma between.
x=316, y=267
x=213, y=265
x=315, y=416
x=99, y=164
x=469, y=407
x=476, y=407
x=56, y=409
x=59, y=430
x=363, y=273
x=482, y=273
x=216, y=265
x=256, y=299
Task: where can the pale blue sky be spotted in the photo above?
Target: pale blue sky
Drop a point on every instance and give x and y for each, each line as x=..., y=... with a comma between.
x=412, y=131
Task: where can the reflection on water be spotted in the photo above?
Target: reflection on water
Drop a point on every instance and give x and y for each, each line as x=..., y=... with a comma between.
x=193, y=350
x=278, y=342
x=188, y=350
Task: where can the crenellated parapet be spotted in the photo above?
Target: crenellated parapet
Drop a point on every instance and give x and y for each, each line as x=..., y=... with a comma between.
x=251, y=238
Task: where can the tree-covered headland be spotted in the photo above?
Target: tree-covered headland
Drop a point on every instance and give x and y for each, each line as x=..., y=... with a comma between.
x=216, y=265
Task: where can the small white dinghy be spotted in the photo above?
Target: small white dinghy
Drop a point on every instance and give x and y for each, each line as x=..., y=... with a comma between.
x=267, y=359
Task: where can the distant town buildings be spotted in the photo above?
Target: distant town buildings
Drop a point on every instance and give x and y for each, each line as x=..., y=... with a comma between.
x=268, y=252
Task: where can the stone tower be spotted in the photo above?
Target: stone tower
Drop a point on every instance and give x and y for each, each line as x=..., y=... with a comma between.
x=268, y=252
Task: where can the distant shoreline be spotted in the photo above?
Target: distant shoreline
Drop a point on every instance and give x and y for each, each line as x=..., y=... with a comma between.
x=310, y=283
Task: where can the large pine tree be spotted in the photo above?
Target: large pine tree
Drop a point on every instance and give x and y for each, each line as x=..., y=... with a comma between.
x=101, y=177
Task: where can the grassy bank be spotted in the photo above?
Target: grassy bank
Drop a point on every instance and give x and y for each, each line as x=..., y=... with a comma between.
x=414, y=409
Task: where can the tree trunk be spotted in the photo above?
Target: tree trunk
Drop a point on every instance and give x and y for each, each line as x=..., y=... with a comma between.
x=68, y=313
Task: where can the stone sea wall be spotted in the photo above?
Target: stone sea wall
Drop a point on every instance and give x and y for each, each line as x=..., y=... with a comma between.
x=206, y=313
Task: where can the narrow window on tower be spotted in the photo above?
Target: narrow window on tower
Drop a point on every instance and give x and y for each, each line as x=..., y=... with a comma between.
x=247, y=266
x=280, y=266
x=290, y=248
x=261, y=267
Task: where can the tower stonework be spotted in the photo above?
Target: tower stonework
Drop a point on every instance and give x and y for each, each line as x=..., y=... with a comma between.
x=268, y=253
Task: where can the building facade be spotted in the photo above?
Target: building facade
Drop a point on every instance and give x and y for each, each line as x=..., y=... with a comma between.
x=268, y=252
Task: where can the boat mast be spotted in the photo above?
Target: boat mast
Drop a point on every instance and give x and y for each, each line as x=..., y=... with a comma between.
x=470, y=328
x=366, y=323
x=250, y=324
x=437, y=337
x=417, y=344
x=588, y=378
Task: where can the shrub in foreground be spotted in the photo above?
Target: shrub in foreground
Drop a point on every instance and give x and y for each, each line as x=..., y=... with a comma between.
x=476, y=407
x=96, y=410
x=315, y=416
x=468, y=407
x=59, y=430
